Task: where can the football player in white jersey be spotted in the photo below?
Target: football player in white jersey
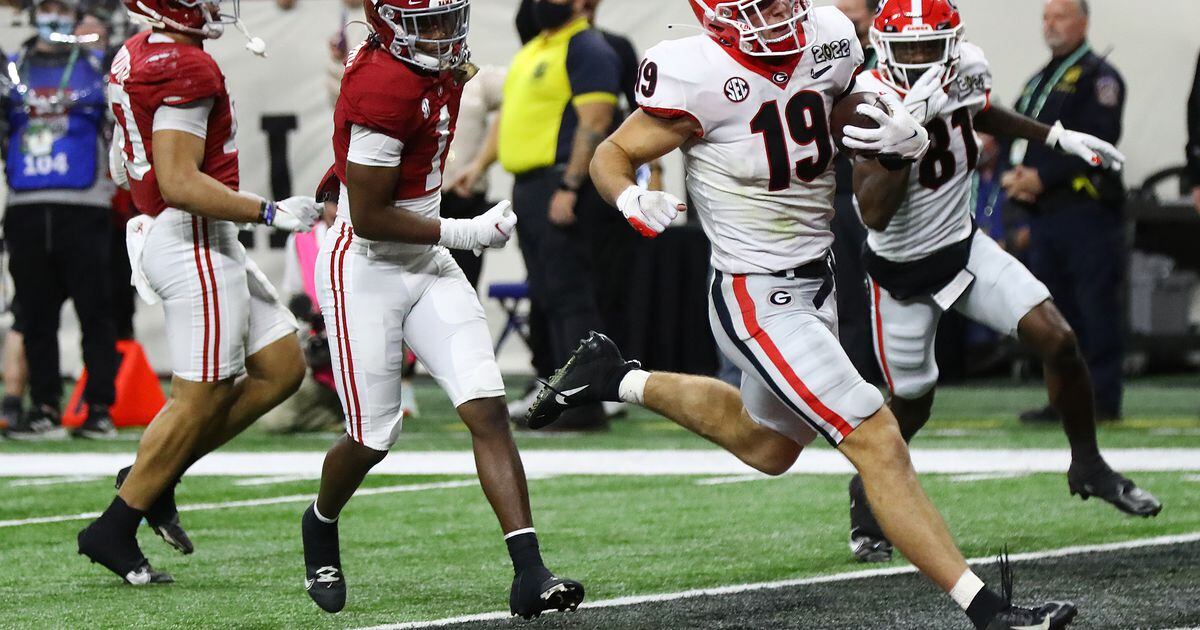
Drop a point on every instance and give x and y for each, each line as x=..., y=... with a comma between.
x=925, y=255
x=748, y=103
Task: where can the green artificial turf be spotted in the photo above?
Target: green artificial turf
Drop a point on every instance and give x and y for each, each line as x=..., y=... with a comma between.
x=436, y=553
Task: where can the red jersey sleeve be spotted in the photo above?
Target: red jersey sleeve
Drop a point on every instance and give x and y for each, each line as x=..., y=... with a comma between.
x=180, y=75
x=370, y=97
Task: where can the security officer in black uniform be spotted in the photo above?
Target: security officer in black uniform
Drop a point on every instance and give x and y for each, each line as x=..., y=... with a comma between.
x=1077, y=245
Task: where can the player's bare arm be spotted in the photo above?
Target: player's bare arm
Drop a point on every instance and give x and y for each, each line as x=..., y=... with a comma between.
x=1001, y=121
x=640, y=140
x=373, y=211
x=880, y=192
x=177, y=159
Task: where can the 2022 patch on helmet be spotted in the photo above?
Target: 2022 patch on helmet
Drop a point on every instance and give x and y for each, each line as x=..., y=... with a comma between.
x=759, y=28
x=430, y=34
x=912, y=36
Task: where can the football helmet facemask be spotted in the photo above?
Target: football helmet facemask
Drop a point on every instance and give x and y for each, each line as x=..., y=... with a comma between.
x=759, y=28
x=193, y=17
x=912, y=36
x=430, y=34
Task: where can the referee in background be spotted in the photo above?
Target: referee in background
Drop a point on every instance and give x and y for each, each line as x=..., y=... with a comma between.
x=560, y=102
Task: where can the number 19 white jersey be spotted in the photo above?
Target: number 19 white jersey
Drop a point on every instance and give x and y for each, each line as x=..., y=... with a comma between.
x=938, y=208
x=758, y=175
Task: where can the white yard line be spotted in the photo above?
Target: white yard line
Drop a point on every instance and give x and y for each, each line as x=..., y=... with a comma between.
x=51, y=481
x=268, y=481
x=836, y=577
x=973, y=477
x=721, y=481
x=224, y=505
x=817, y=460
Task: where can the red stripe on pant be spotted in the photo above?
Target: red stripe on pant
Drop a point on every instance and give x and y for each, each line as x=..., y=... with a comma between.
x=337, y=331
x=750, y=319
x=876, y=300
x=203, y=293
x=216, y=368
x=346, y=330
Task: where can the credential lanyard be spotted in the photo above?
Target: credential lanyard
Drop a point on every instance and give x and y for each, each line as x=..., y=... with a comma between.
x=1021, y=147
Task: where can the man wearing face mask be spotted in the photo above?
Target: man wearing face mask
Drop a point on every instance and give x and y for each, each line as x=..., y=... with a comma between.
x=58, y=219
x=560, y=101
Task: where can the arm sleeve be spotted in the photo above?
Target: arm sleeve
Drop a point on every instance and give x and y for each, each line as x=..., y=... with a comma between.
x=1096, y=109
x=371, y=148
x=191, y=119
x=1193, y=120
x=593, y=69
x=664, y=92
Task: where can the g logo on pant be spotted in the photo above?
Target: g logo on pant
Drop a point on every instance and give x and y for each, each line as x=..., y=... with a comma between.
x=780, y=298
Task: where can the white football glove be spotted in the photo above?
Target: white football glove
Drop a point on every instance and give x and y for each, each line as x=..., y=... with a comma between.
x=927, y=98
x=294, y=214
x=1096, y=151
x=899, y=133
x=649, y=212
x=491, y=229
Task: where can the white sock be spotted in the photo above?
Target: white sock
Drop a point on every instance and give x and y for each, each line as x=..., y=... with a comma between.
x=633, y=387
x=322, y=518
x=512, y=534
x=965, y=590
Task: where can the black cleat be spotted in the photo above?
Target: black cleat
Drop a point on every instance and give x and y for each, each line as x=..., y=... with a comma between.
x=534, y=591
x=121, y=556
x=867, y=542
x=323, y=577
x=40, y=425
x=163, y=517
x=96, y=426
x=1041, y=415
x=1104, y=483
x=1048, y=616
x=1061, y=614
x=592, y=375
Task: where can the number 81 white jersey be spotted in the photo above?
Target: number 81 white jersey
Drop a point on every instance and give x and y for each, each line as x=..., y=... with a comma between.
x=938, y=207
x=759, y=175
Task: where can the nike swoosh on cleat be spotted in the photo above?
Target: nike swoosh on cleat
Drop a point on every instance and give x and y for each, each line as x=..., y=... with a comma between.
x=138, y=578
x=817, y=74
x=308, y=584
x=561, y=397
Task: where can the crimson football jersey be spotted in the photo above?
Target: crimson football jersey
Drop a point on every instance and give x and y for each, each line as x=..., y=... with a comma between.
x=381, y=93
x=152, y=70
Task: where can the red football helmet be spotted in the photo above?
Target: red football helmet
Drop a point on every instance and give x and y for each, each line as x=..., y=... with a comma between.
x=431, y=34
x=194, y=17
x=760, y=28
x=912, y=36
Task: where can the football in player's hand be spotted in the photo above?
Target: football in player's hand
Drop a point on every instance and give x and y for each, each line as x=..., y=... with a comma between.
x=845, y=113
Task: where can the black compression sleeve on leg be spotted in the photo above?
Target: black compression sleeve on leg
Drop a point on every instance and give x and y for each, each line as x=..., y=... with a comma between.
x=523, y=549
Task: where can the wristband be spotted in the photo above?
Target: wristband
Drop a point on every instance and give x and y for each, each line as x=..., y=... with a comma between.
x=456, y=234
x=1054, y=135
x=266, y=212
x=563, y=185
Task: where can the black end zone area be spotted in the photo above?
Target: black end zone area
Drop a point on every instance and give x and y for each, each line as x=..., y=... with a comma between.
x=1152, y=588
